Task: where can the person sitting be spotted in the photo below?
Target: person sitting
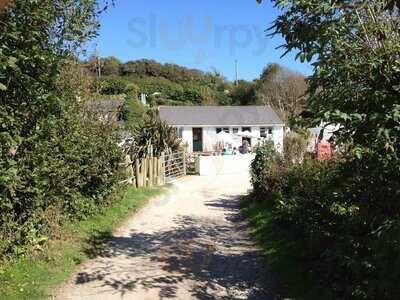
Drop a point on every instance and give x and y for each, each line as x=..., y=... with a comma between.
x=241, y=149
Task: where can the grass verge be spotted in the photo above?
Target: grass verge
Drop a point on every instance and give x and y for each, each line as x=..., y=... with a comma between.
x=283, y=253
x=36, y=277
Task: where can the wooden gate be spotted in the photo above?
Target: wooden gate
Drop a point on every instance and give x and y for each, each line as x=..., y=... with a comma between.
x=155, y=171
x=174, y=166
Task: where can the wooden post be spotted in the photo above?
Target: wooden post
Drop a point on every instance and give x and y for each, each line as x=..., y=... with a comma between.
x=142, y=172
x=162, y=173
x=134, y=181
x=129, y=169
x=155, y=171
x=150, y=171
x=137, y=166
x=159, y=171
x=184, y=163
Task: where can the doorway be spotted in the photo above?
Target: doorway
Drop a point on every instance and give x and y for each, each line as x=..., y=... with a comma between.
x=248, y=140
x=197, y=139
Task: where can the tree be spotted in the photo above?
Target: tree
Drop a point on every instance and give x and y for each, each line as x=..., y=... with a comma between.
x=51, y=159
x=354, y=46
x=113, y=85
x=283, y=90
x=74, y=80
x=35, y=39
x=244, y=93
x=110, y=66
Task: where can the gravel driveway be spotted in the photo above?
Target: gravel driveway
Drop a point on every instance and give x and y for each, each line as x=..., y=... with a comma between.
x=189, y=244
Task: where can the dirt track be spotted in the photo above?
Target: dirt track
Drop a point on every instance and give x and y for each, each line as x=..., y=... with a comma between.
x=189, y=244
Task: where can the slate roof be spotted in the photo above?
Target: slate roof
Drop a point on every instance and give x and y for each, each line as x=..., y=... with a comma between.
x=219, y=115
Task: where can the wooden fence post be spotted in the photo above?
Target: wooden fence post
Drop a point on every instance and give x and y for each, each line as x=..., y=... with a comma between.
x=137, y=167
x=143, y=170
x=184, y=163
x=150, y=171
x=129, y=169
x=159, y=171
x=162, y=162
x=155, y=171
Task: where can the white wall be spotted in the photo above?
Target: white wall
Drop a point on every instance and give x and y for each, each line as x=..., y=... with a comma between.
x=187, y=137
x=224, y=165
x=209, y=137
x=255, y=130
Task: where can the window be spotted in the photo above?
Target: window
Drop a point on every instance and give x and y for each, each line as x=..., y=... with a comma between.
x=226, y=129
x=263, y=132
x=246, y=129
x=235, y=130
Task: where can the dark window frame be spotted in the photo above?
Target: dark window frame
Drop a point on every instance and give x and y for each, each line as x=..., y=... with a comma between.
x=263, y=132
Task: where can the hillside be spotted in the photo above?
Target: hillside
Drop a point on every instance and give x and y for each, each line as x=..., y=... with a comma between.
x=170, y=84
x=164, y=84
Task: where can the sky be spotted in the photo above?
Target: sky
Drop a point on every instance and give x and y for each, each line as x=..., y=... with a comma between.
x=207, y=35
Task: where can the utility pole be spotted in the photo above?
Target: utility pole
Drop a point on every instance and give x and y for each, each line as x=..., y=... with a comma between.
x=98, y=67
x=98, y=61
x=236, y=72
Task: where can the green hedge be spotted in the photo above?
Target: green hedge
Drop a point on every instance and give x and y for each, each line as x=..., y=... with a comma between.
x=64, y=171
x=346, y=214
x=56, y=164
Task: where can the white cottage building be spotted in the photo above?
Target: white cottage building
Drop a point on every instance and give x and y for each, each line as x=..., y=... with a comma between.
x=199, y=126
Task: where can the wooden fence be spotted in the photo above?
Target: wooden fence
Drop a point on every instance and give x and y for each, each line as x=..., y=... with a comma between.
x=155, y=171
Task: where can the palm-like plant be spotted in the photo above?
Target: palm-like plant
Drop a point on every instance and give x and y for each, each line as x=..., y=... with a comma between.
x=153, y=137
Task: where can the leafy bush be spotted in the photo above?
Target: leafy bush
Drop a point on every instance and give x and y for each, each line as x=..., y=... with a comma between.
x=160, y=87
x=133, y=111
x=266, y=171
x=112, y=85
x=70, y=170
x=349, y=213
x=295, y=147
x=152, y=136
x=348, y=225
x=55, y=164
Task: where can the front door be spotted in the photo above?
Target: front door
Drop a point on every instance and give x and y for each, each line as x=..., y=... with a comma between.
x=197, y=139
